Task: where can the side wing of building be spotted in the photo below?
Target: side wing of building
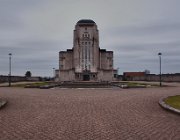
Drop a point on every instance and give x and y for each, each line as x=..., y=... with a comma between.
x=66, y=65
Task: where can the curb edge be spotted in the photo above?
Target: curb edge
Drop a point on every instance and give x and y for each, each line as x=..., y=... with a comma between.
x=167, y=107
x=2, y=103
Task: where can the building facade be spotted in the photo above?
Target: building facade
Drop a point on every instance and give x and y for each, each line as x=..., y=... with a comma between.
x=86, y=61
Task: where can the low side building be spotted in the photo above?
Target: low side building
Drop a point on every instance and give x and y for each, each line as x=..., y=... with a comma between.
x=129, y=76
x=4, y=78
x=142, y=76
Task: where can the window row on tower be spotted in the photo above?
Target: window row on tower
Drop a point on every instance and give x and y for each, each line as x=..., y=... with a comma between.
x=86, y=35
x=86, y=43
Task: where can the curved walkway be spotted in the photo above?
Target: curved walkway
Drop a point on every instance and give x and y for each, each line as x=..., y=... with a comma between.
x=87, y=114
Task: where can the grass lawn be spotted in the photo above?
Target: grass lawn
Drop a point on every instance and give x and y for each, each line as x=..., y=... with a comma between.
x=31, y=84
x=138, y=84
x=173, y=101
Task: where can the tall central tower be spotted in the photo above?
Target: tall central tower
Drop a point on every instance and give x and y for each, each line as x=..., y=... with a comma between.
x=86, y=46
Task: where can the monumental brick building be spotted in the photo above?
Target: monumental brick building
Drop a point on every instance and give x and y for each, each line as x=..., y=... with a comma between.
x=86, y=61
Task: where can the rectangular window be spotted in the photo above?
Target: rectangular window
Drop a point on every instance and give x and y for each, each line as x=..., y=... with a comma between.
x=86, y=52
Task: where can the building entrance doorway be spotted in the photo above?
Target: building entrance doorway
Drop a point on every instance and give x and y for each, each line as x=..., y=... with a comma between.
x=86, y=77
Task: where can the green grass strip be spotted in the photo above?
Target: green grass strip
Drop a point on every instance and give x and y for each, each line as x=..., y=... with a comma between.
x=31, y=84
x=173, y=101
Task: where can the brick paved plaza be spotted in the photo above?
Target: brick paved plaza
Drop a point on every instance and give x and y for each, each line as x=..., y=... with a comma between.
x=87, y=114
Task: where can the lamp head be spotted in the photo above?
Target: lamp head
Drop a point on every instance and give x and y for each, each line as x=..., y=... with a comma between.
x=159, y=53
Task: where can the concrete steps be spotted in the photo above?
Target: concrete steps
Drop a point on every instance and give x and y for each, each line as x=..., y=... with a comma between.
x=85, y=85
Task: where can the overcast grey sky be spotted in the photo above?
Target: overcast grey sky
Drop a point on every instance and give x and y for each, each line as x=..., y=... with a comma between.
x=34, y=31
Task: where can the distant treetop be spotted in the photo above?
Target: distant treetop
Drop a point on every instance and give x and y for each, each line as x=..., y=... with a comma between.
x=28, y=74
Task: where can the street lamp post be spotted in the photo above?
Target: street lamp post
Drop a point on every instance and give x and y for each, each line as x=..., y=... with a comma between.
x=160, y=78
x=53, y=73
x=10, y=54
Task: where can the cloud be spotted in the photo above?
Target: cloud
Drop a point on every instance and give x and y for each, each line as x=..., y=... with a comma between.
x=35, y=31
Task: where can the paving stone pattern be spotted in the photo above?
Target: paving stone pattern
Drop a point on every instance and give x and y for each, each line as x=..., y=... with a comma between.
x=87, y=114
